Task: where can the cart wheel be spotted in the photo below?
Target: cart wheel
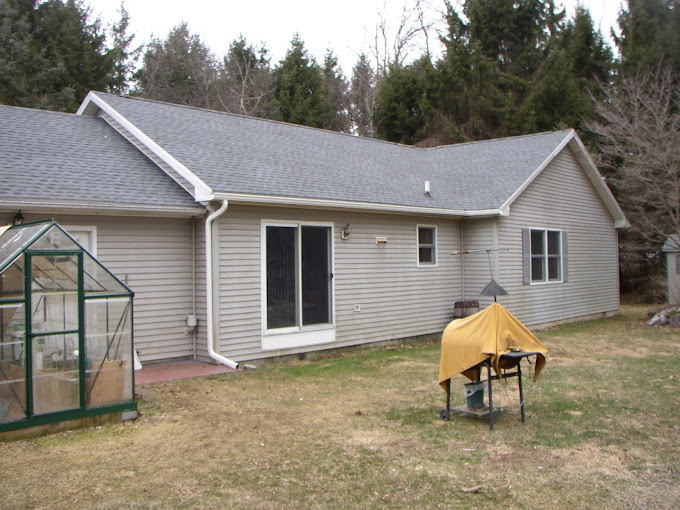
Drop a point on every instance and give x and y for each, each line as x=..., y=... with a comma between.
x=444, y=415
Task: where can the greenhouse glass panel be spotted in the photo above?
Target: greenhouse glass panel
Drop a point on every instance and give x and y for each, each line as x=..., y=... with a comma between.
x=54, y=273
x=55, y=239
x=108, y=346
x=56, y=379
x=99, y=281
x=14, y=240
x=12, y=368
x=54, y=312
x=55, y=331
x=12, y=282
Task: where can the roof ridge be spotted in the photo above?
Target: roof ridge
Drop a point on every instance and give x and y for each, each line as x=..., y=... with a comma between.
x=40, y=110
x=250, y=117
x=471, y=142
x=328, y=131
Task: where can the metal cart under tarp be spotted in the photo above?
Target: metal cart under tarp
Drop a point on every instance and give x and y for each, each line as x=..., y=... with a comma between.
x=508, y=361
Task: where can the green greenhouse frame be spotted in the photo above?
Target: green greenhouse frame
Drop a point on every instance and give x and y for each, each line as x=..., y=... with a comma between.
x=66, y=322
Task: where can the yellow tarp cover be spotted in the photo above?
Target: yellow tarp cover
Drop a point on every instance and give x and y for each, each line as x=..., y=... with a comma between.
x=486, y=334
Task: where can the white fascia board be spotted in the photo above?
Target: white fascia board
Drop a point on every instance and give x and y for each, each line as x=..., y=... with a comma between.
x=315, y=203
x=88, y=107
x=201, y=190
x=537, y=172
x=100, y=208
x=591, y=172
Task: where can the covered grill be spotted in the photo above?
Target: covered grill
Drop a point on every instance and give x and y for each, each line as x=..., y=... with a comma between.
x=490, y=338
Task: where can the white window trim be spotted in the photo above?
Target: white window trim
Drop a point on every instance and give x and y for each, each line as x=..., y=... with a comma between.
x=436, y=247
x=311, y=335
x=298, y=336
x=72, y=229
x=545, y=256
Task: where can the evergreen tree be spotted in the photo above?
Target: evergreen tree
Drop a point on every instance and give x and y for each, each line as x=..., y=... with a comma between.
x=515, y=32
x=591, y=56
x=19, y=65
x=579, y=61
x=180, y=69
x=122, y=55
x=52, y=54
x=336, y=90
x=472, y=93
x=649, y=35
x=403, y=107
x=75, y=51
x=513, y=67
x=299, y=89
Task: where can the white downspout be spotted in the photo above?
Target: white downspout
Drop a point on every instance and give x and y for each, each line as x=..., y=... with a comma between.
x=462, y=258
x=209, y=285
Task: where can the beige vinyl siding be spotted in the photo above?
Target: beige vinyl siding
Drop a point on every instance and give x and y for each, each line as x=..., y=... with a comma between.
x=238, y=283
x=152, y=256
x=561, y=198
x=479, y=235
x=397, y=298
x=155, y=256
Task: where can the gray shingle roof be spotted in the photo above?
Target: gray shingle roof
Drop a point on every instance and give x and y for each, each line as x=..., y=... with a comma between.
x=67, y=158
x=672, y=244
x=236, y=154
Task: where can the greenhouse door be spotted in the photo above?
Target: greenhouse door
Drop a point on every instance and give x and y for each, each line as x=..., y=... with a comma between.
x=55, y=301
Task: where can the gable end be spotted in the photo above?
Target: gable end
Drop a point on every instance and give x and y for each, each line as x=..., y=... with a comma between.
x=93, y=105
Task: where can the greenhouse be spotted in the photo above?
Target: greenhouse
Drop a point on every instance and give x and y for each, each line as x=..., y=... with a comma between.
x=66, y=350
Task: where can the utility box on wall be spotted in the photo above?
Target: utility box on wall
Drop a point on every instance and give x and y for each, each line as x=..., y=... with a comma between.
x=65, y=331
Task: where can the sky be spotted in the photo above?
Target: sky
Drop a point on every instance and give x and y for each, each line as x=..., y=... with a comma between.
x=345, y=26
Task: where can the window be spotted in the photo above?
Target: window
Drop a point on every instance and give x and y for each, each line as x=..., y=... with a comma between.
x=298, y=276
x=544, y=256
x=427, y=245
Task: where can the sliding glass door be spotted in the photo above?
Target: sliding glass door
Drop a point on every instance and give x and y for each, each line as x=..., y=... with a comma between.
x=298, y=276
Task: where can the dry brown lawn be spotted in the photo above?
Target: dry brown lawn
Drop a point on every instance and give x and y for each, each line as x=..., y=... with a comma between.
x=361, y=429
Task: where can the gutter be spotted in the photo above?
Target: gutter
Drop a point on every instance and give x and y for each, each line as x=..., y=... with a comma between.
x=320, y=203
x=209, y=286
x=102, y=208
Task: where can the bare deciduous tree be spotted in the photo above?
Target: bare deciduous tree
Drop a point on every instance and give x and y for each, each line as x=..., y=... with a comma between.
x=639, y=148
x=179, y=69
x=363, y=95
x=639, y=145
x=393, y=45
x=246, y=79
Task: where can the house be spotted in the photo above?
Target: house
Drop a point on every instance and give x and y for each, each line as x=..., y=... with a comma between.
x=281, y=239
x=116, y=203
x=671, y=248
